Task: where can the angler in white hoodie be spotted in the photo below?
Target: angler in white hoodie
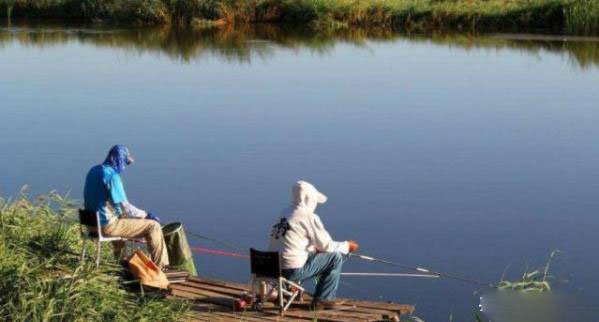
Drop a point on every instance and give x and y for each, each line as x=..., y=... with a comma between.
x=307, y=250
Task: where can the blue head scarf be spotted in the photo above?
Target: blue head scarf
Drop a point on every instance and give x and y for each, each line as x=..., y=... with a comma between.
x=118, y=158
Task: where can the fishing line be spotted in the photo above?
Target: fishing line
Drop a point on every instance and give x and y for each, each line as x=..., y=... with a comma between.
x=422, y=270
x=203, y=250
x=216, y=241
x=428, y=273
x=217, y=252
x=390, y=274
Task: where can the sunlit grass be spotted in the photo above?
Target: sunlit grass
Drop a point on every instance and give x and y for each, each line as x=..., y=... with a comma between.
x=582, y=17
x=578, y=16
x=42, y=279
x=537, y=280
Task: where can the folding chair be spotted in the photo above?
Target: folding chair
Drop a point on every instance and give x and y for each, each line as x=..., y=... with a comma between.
x=89, y=225
x=266, y=267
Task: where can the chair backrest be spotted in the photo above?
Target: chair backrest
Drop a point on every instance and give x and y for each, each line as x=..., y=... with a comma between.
x=265, y=264
x=89, y=219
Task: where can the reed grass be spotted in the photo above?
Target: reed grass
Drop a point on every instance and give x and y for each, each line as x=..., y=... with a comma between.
x=582, y=17
x=42, y=279
x=577, y=16
x=537, y=280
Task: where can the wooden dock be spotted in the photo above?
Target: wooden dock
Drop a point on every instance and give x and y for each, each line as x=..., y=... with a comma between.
x=213, y=300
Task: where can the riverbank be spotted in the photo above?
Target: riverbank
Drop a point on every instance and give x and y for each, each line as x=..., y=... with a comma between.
x=555, y=16
x=42, y=278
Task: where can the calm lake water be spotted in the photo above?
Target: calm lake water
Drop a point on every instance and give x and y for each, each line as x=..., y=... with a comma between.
x=464, y=154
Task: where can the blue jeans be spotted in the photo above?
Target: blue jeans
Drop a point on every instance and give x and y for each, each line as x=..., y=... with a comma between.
x=326, y=267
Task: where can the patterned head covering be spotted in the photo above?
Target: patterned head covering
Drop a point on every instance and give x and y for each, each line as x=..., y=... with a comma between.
x=118, y=158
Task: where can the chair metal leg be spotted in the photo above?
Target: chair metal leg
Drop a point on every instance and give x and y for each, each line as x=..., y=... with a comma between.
x=99, y=253
x=281, y=298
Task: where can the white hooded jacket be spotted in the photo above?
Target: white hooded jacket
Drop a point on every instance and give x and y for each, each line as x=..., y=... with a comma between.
x=300, y=231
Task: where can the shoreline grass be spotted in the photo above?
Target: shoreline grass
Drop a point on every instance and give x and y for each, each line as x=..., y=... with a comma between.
x=42, y=278
x=554, y=16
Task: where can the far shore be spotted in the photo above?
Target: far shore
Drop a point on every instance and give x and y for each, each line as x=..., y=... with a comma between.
x=574, y=17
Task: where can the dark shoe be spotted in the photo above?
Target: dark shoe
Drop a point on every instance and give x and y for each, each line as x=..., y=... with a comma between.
x=327, y=305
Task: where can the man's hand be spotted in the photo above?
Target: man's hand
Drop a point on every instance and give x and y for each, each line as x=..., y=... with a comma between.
x=151, y=216
x=353, y=246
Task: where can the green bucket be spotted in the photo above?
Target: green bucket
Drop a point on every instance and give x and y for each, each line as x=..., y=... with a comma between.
x=179, y=252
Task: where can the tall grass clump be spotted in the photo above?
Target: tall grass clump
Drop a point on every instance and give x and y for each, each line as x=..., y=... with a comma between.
x=582, y=17
x=532, y=281
x=42, y=279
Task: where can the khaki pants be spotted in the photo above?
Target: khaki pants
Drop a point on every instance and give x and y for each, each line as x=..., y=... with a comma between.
x=139, y=228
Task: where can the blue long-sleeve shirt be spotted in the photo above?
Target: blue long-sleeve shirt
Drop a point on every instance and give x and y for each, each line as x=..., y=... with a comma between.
x=104, y=192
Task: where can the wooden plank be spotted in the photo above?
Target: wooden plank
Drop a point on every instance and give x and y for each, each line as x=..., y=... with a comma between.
x=232, y=285
x=213, y=318
x=249, y=316
x=238, y=317
x=219, y=289
x=176, y=273
x=401, y=308
x=226, y=311
x=201, y=291
x=348, y=311
x=362, y=306
x=311, y=316
x=221, y=301
x=202, y=295
x=214, y=300
x=345, y=312
x=268, y=317
x=197, y=319
x=383, y=314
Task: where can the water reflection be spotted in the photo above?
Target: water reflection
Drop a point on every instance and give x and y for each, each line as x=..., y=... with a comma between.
x=508, y=306
x=244, y=43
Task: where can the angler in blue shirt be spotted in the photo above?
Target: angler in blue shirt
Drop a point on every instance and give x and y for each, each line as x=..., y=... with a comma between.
x=104, y=193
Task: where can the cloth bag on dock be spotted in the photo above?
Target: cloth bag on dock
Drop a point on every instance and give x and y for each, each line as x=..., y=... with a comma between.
x=146, y=271
x=179, y=252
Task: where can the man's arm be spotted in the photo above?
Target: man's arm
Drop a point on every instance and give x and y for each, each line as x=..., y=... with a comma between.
x=133, y=212
x=322, y=239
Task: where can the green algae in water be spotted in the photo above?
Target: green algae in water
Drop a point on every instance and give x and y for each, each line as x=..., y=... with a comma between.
x=534, y=281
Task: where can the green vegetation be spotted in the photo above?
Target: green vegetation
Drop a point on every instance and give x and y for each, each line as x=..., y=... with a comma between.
x=532, y=281
x=42, y=279
x=575, y=16
x=582, y=17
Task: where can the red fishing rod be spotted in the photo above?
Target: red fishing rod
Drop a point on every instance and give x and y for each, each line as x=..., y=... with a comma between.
x=422, y=272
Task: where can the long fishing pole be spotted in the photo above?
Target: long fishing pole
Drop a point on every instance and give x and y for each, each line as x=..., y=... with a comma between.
x=423, y=270
x=428, y=272
x=390, y=274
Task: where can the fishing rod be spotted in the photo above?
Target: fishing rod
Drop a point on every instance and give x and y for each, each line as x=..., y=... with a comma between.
x=390, y=274
x=428, y=273
x=422, y=270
